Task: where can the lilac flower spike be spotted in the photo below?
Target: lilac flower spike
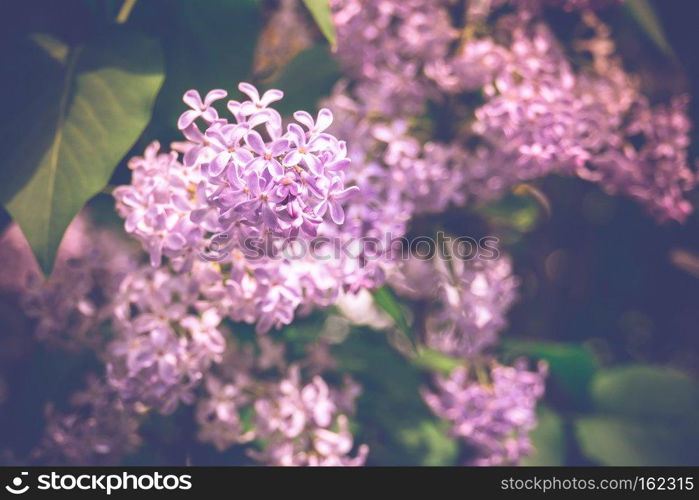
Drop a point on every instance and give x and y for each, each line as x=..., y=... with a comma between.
x=264, y=180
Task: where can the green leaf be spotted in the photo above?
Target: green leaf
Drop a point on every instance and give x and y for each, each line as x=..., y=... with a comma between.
x=89, y=106
x=548, y=440
x=643, y=391
x=207, y=45
x=320, y=10
x=645, y=415
x=384, y=298
x=617, y=441
x=392, y=417
x=572, y=366
x=308, y=77
x=643, y=13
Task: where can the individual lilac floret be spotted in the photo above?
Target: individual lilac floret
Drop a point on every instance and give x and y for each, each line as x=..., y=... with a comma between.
x=269, y=181
x=495, y=417
x=200, y=109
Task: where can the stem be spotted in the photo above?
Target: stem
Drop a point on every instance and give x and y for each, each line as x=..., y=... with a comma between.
x=108, y=189
x=125, y=11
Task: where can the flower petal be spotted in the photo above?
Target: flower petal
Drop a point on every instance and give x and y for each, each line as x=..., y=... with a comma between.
x=192, y=99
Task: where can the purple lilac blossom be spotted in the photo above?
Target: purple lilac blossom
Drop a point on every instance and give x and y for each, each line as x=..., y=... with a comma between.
x=165, y=207
x=494, y=418
x=167, y=334
x=384, y=44
x=296, y=422
x=541, y=113
x=253, y=192
x=467, y=300
x=269, y=180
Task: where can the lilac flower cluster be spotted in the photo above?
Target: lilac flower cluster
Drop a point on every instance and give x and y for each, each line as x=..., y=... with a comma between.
x=494, y=417
x=70, y=307
x=467, y=300
x=439, y=110
x=540, y=115
x=488, y=405
x=267, y=181
x=295, y=422
x=168, y=339
x=158, y=205
x=230, y=184
x=385, y=44
x=99, y=430
x=242, y=189
x=166, y=335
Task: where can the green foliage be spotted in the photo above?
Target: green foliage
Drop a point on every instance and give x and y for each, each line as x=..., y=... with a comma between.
x=320, y=10
x=86, y=107
x=615, y=441
x=386, y=300
x=572, y=366
x=644, y=415
x=306, y=78
x=393, y=419
x=548, y=440
x=646, y=391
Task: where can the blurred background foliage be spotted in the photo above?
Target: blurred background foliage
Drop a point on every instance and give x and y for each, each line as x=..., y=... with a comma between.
x=608, y=298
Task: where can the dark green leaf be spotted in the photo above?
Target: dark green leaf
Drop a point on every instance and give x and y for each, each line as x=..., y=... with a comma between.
x=643, y=391
x=320, y=10
x=645, y=415
x=90, y=105
x=611, y=440
x=548, y=440
x=393, y=419
x=572, y=366
x=207, y=45
x=308, y=77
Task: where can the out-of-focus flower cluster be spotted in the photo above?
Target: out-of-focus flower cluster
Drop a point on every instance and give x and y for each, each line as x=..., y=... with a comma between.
x=294, y=421
x=488, y=405
x=489, y=106
x=467, y=300
x=80, y=295
x=494, y=415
